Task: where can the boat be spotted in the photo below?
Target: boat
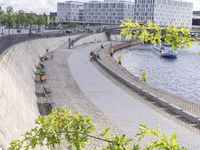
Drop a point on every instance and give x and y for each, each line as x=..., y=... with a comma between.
x=167, y=51
x=164, y=50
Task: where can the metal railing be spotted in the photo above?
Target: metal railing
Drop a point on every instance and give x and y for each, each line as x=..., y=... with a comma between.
x=9, y=40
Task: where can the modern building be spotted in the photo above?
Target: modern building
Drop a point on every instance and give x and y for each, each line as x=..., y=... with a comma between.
x=108, y=11
x=196, y=13
x=53, y=19
x=164, y=12
x=196, y=18
x=70, y=12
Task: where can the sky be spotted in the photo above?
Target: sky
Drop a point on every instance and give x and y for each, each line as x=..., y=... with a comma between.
x=40, y=6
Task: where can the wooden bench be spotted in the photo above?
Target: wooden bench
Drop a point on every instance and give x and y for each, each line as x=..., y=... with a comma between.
x=43, y=58
x=42, y=91
x=47, y=90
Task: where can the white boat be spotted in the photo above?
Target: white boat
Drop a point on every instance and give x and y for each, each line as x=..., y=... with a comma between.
x=165, y=50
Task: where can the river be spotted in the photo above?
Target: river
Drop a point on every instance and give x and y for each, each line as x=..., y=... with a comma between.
x=179, y=76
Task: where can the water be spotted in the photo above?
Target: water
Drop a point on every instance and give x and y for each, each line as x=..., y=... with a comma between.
x=180, y=76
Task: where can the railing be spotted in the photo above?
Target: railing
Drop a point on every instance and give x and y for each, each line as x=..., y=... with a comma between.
x=71, y=43
x=9, y=40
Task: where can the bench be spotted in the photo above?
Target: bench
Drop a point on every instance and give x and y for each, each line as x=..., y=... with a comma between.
x=43, y=58
x=47, y=90
x=42, y=91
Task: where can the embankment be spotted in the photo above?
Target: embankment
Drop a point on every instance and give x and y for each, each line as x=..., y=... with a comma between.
x=18, y=102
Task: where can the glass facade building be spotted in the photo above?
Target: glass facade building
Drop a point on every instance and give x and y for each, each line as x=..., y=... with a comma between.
x=70, y=12
x=164, y=12
x=108, y=12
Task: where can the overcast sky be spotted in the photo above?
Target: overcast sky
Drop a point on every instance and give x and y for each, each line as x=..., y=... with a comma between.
x=41, y=6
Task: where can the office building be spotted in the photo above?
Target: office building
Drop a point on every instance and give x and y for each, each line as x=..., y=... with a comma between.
x=70, y=12
x=164, y=12
x=108, y=11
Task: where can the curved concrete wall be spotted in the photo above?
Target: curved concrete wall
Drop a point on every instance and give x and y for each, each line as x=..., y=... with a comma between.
x=18, y=102
x=99, y=37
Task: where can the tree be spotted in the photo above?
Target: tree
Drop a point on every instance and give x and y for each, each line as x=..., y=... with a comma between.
x=21, y=18
x=1, y=16
x=177, y=37
x=41, y=20
x=76, y=130
x=31, y=18
x=47, y=19
x=8, y=18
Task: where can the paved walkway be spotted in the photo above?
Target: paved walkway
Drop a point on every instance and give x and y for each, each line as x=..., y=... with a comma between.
x=66, y=93
x=120, y=107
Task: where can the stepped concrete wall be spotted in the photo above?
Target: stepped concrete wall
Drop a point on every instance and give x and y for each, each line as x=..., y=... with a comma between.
x=18, y=102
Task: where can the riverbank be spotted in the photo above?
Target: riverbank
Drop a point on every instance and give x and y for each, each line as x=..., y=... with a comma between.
x=190, y=110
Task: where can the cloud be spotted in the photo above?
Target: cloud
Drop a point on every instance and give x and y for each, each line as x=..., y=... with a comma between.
x=38, y=6
x=196, y=4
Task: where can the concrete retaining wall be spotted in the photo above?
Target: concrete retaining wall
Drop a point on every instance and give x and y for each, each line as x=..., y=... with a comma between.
x=99, y=37
x=18, y=102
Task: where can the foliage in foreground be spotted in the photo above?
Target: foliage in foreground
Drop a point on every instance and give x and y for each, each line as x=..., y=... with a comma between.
x=177, y=37
x=76, y=129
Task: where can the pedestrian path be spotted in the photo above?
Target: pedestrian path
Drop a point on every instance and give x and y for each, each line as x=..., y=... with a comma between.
x=121, y=108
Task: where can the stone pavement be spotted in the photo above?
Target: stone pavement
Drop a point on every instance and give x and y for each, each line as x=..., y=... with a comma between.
x=125, y=111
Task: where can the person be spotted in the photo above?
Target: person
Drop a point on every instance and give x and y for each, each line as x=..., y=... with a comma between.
x=120, y=59
x=98, y=57
x=91, y=56
x=111, y=53
x=102, y=46
x=52, y=56
x=73, y=42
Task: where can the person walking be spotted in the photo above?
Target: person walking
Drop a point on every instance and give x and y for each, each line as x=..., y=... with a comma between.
x=91, y=56
x=112, y=52
x=120, y=59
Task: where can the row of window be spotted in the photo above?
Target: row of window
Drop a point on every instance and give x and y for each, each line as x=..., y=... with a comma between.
x=108, y=5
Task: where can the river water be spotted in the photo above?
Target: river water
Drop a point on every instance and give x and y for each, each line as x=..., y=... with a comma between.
x=179, y=76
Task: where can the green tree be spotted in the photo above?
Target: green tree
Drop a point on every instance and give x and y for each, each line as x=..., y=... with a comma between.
x=41, y=20
x=47, y=19
x=1, y=16
x=21, y=18
x=31, y=18
x=8, y=18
